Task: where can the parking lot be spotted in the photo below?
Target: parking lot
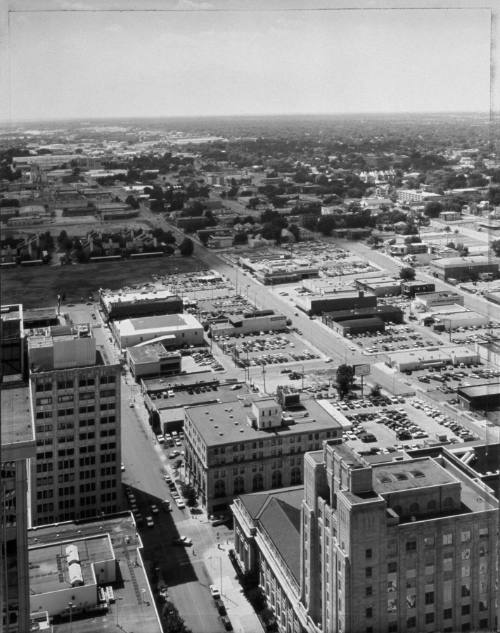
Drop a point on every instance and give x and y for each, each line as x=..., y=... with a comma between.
x=396, y=423
x=266, y=349
x=395, y=338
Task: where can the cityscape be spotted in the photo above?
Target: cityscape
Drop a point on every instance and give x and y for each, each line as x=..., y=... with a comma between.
x=249, y=319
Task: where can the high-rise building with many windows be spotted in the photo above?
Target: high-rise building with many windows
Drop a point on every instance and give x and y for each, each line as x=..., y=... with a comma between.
x=386, y=545
x=17, y=447
x=76, y=403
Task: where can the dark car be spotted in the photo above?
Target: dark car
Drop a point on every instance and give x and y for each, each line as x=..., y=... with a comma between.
x=219, y=605
x=227, y=623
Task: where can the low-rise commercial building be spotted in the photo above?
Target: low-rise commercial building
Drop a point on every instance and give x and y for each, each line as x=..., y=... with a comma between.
x=412, y=288
x=249, y=324
x=251, y=445
x=343, y=300
x=126, y=305
x=463, y=268
x=380, y=286
x=153, y=360
x=484, y=397
x=438, y=357
x=173, y=330
x=363, y=319
x=279, y=271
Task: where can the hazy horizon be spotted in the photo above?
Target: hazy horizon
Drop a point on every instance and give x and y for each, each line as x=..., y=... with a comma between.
x=79, y=64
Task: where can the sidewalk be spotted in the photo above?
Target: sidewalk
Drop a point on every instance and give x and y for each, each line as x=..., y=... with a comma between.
x=240, y=611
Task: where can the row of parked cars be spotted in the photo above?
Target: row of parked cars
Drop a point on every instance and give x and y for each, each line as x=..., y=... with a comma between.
x=221, y=608
x=458, y=429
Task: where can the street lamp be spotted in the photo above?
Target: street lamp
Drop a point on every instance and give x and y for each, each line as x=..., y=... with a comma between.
x=70, y=605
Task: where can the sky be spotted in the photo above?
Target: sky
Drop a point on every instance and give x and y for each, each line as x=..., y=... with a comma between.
x=216, y=58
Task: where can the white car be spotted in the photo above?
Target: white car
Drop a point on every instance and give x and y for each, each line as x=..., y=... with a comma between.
x=180, y=503
x=149, y=521
x=214, y=592
x=154, y=509
x=328, y=360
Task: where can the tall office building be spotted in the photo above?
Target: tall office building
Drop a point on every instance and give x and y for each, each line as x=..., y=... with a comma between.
x=17, y=439
x=402, y=545
x=405, y=545
x=76, y=403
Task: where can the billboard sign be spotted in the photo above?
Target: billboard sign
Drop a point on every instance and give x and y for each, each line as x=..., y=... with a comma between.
x=361, y=370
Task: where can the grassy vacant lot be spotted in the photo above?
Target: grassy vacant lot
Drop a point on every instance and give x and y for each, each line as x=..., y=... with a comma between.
x=38, y=286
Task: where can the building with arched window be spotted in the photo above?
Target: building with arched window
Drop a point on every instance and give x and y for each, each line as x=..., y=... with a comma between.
x=407, y=544
x=251, y=444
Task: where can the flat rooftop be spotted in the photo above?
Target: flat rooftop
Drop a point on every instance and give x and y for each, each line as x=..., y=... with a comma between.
x=136, y=609
x=484, y=389
x=226, y=423
x=162, y=323
x=16, y=426
x=150, y=353
x=416, y=473
x=463, y=261
x=49, y=568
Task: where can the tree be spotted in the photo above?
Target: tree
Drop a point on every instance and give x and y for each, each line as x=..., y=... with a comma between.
x=132, y=202
x=295, y=231
x=189, y=493
x=186, y=247
x=344, y=379
x=407, y=273
x=433, y=209
x=375, y=391
x=495, y=247
x=326, y=224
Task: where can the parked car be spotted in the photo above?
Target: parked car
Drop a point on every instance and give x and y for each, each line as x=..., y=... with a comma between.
x=214, y=592
x=183, y=540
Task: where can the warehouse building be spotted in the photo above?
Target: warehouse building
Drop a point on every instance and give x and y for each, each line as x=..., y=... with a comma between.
x=126, y=305
x=484, y=397
x=173, y=330
x=343, y=300
x=463, y=268
x=459, y=319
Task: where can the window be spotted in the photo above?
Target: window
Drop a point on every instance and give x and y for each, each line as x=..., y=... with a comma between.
x=447, y=614
x=429, y=618
x=465, y=609
x=368, y=553
x=393, y=627
x=368, y=591
x=429, y=541
x=465, y=536
x=466, y=554
x=448, y=539
x=411, y=546
x=483, y=624
x=368, y=612
x=392, y=568
x=483, y=532
x=411, y=622
x=429, y=597
x=368, y=572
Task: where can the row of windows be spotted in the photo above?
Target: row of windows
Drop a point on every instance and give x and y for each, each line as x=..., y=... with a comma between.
x=69, y=384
